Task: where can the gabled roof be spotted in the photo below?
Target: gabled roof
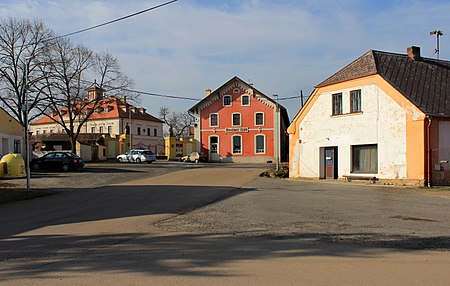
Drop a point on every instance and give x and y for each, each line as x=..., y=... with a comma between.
x=218, y=91
x=109, y=108
x=424, y=82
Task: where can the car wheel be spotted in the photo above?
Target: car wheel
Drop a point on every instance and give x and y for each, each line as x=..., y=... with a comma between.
x=65, y=167
x=196, y=160
x=138, y=160
x=35, y=166
x=120, y=160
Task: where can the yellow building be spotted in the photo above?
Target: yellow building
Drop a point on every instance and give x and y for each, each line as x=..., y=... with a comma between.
x=11, y=134
x=176, y=148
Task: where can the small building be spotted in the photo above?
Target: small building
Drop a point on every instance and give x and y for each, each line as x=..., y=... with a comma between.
x=11, y=134
x=384, y=116
x=116, y=118
x=179, y=147
x=238, y=123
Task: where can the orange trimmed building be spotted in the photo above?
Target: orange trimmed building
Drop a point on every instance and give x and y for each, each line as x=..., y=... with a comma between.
x=113, y=118
x=237, y=123
x=383, y=116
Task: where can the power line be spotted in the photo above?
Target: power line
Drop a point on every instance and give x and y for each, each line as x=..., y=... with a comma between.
x=112, y=21
x=161, y=95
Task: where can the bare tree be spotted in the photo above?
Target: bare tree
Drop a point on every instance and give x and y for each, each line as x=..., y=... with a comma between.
x=177, y=122
x=107, y=70
x=65, y=71
x=23, y=44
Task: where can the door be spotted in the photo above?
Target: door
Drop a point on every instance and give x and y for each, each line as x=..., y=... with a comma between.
x=331, y=163
x=214, y=149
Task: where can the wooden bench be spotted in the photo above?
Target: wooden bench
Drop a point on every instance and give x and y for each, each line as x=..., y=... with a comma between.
x=349, y=178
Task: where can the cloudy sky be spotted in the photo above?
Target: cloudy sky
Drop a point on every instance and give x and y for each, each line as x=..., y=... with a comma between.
x=281, y=46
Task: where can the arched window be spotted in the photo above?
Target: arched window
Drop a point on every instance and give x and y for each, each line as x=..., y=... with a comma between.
x=259, y=118
x=260, y=144
x=236, y=119
x=214, y=120
x=237, y=144
x=227, y=100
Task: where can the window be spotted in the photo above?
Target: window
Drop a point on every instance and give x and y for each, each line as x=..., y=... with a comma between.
x=260, y=144
x=337, y=103
x=110, y=129
x=365, y=159
x=355, y=100
x=37, y=132
x=155, y=132
x=237, y=144
x=236, y=119
x=259, y=118
x=213, y=119
x=148, y=132
x=139, y=131
x=93, y=129
x=100, y=129
x=245, y=100
x=227, y=100
x=17, y=146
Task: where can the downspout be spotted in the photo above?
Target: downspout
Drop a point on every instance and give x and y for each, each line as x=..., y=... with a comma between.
x=428, y=152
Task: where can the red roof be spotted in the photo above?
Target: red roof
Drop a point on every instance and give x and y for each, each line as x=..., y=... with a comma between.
x=108, y=108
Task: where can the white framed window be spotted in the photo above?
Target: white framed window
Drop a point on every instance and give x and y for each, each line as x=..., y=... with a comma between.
x=227, y=100
x=110, y=129
x=236, y=141
x=245, y=100
x=214, y=120
x=93, y=129
x=100, y=129
x=236, y=119
x=259, y=118
x=260, y=144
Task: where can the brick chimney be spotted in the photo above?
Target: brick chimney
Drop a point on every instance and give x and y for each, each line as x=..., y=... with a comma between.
x=414, y=53
x=207, y=92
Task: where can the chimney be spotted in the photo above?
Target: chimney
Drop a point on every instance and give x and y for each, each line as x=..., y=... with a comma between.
x=207, y=91
x=124, y=99
x=414, y=53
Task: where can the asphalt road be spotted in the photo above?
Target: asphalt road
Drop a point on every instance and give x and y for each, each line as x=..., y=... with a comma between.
x=224, y=225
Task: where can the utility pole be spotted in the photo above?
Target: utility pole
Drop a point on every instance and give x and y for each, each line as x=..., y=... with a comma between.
x=438, y=33
x=277, y=134
x=27, y=141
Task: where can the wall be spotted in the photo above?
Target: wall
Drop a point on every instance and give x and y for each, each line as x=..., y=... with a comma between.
x=388, y=121
x=225, y=130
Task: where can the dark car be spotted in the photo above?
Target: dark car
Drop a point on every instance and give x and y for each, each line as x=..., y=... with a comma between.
x=64, y=161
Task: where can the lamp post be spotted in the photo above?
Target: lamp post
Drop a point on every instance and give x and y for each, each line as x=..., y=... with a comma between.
x=27, y=143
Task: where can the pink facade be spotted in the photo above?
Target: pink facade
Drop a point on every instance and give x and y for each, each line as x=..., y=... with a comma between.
x=236, y=123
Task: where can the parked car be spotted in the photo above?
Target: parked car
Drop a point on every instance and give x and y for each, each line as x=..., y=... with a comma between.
x=137, y=156
x=194, y=157
x=60, y=160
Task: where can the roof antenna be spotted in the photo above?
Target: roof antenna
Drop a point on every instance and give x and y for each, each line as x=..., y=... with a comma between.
x=438, y=33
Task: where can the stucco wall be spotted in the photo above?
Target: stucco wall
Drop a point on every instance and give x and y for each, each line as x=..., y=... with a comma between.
x=382, y=121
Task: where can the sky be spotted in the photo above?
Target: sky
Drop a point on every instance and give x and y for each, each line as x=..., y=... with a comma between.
x=280, y=46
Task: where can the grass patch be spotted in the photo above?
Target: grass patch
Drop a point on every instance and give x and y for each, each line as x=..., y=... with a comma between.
x=12, y=193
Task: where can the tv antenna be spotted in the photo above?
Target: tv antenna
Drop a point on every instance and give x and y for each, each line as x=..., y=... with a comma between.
x=438, y=33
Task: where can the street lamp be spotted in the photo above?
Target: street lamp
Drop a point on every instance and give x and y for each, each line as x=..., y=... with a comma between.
x=277, y=133
x=27, y=143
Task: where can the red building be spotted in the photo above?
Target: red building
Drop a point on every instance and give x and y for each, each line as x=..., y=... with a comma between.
x=238, y=123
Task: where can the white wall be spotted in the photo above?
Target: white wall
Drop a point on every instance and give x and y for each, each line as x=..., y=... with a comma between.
x=381, y=122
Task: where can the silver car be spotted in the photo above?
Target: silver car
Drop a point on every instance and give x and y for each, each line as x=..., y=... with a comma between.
x=137, y=156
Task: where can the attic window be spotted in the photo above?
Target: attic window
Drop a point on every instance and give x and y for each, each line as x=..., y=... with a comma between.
x=236, y=90
x=227, y=100
x=337, y=103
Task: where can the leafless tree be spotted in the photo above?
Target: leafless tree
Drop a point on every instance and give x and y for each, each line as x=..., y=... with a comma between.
x=23, y=44
x=107, y=71
x=177, y=122
x=65, y=71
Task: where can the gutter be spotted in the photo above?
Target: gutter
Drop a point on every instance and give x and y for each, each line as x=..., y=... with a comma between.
x=429, y=152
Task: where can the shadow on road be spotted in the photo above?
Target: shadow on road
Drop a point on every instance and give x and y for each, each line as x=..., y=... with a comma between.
x=177, y=254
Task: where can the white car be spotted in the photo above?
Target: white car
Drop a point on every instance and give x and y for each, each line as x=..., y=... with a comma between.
x=137, y=156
